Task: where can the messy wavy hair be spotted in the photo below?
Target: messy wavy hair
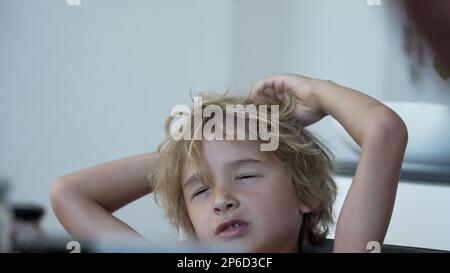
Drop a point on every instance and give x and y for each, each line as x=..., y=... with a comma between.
x=308, y=161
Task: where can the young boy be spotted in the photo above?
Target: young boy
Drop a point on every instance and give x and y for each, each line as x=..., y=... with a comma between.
x=231, y=193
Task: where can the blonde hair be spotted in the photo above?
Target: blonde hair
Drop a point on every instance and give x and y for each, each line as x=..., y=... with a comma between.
x=308, y=162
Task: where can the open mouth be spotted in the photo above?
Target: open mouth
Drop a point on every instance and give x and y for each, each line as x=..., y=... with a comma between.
x=232, y=229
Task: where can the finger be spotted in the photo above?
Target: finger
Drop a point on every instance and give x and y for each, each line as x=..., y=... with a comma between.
x=268, y=92
x=264, y=87
x=279, y=85
x=259, y=88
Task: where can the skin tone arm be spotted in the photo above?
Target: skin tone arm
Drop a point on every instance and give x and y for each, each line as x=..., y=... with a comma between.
x=84, y=201
x=383, y=137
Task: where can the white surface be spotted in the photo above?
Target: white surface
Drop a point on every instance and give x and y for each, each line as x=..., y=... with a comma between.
x=421, y=214
x=428, y=129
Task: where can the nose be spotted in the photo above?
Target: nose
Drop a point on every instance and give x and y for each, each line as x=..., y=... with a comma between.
x=224, y=201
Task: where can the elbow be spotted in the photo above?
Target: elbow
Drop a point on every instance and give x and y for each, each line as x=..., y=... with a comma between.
x=60, y=193
x=396, y=129
x=390, y=129
x=56, y=191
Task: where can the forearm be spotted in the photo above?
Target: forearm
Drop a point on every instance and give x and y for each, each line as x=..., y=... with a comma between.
x=84, y=200
x=85, y=218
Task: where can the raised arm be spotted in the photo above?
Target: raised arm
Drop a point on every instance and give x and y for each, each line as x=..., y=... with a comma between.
x=379, y=131
x=84, y=200
x=383, y=137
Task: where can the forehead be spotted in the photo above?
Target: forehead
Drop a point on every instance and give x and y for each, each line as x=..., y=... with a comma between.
x=230, y=150
x=218, y=154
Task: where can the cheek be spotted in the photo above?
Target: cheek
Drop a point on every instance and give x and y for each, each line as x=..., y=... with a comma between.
x=199, y=220
x=274, y=204
x=273, y=193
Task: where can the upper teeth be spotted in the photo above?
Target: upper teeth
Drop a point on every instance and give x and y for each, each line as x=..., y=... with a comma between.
x=232, y=226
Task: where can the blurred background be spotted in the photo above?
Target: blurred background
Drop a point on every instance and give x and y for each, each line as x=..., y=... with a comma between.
x=89, y=83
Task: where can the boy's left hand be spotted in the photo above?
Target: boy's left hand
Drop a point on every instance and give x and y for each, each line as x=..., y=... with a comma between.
x=307, y=109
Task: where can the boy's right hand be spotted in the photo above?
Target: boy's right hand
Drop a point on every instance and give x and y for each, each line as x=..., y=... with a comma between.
x=308, y=110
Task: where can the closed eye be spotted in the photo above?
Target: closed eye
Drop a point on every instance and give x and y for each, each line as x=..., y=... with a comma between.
x=246, y=176
x=199, y=192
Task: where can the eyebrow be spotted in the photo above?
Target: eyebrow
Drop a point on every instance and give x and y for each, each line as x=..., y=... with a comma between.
x=231, y=166
x=239, y=163
x=191, y=180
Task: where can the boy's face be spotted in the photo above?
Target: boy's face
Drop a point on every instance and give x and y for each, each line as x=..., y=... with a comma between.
x=248, y=189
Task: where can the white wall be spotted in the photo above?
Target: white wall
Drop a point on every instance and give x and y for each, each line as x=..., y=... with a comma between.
x=80, y=85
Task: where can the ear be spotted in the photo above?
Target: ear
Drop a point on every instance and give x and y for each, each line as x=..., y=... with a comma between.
x=303, y=208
